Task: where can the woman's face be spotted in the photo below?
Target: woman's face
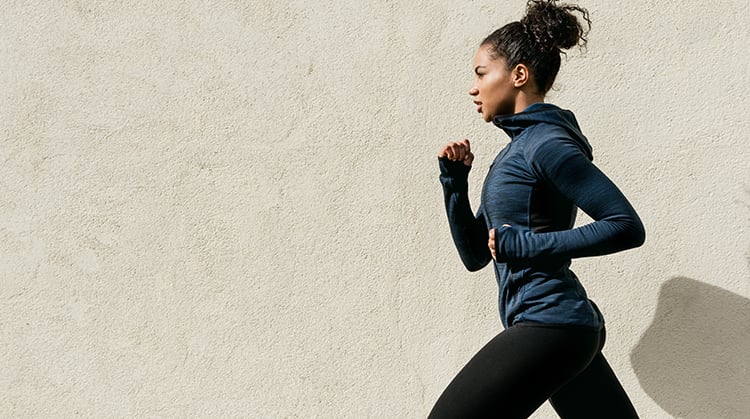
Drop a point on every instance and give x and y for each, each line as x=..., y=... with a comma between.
x=493, y=90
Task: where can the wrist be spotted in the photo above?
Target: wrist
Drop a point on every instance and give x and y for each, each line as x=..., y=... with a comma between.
x=453, y=168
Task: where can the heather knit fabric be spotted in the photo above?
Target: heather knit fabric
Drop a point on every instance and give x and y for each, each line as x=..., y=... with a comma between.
x=534, y=185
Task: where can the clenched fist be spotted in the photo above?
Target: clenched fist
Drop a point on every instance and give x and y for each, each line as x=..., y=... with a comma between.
x=491, y=243
x=458, y=151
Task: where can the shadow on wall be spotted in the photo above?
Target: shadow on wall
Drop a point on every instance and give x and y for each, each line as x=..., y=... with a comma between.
x=694, y=359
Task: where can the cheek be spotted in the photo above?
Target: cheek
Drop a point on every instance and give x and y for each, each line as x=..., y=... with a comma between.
x=495, y=95
x=501, y=101
x=494, y=89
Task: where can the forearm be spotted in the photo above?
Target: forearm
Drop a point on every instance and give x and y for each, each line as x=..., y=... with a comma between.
x=616, y=225
x=468, y=231
x=601, y=237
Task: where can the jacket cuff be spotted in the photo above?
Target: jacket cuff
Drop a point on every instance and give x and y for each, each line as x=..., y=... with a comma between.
x=454, y=175
x=454, y=169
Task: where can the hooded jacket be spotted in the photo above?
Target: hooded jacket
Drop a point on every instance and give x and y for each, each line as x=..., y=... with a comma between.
x=535, y=185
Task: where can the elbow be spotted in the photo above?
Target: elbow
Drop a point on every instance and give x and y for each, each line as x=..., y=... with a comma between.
x=641, y=236
x=473, y=265
x=636, y=234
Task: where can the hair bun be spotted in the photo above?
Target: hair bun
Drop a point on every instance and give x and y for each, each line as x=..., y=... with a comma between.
x=554, y=27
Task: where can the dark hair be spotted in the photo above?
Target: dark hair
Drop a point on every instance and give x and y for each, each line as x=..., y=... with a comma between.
x=539, y=38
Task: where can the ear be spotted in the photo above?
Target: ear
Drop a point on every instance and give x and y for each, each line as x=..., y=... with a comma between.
x=520, y=75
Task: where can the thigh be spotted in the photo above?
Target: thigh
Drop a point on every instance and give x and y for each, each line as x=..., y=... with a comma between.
x=594, y=393
x=516, y=372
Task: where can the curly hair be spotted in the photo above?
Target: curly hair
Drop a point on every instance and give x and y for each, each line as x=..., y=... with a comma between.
x=537, y=40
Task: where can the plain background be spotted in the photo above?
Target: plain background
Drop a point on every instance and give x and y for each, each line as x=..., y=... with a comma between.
x=232, y=208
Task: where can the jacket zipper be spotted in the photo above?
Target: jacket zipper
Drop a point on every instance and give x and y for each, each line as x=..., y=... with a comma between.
x=498, y=159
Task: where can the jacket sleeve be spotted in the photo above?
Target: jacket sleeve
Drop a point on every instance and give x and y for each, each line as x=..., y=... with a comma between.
x=561, y=163
x=469, y=232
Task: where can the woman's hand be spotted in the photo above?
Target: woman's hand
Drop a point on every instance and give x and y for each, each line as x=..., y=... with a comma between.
x=491, y=242
x=458, y=151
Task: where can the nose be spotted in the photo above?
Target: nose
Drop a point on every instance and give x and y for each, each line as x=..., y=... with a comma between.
x=473, y=91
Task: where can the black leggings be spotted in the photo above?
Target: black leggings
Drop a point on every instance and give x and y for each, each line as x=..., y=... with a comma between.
x=527, y=364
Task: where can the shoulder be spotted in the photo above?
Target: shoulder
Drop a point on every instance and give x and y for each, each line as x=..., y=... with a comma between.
x=545, y=140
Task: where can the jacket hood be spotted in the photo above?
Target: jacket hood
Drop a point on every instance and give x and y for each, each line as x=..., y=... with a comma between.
x=514, y=124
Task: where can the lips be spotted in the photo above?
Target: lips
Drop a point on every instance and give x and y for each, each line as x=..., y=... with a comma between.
x=479, y=106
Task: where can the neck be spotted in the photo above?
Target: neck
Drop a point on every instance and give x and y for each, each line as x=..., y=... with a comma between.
x=524, y=100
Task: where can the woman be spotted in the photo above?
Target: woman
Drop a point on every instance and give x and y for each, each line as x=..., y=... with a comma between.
x=553, y=337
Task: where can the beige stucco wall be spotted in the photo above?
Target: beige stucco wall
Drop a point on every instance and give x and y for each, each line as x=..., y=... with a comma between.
x=231, y=208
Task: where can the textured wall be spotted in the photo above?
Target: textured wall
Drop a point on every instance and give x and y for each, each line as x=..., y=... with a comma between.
x=231, y=208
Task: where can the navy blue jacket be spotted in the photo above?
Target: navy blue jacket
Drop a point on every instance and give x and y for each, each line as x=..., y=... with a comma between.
x=535, y=184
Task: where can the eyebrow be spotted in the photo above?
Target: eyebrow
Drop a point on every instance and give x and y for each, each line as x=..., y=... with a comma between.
x=478, y=67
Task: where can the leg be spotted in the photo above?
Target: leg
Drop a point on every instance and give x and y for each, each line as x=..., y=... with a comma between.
x=517, y=371
x=595, y=393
